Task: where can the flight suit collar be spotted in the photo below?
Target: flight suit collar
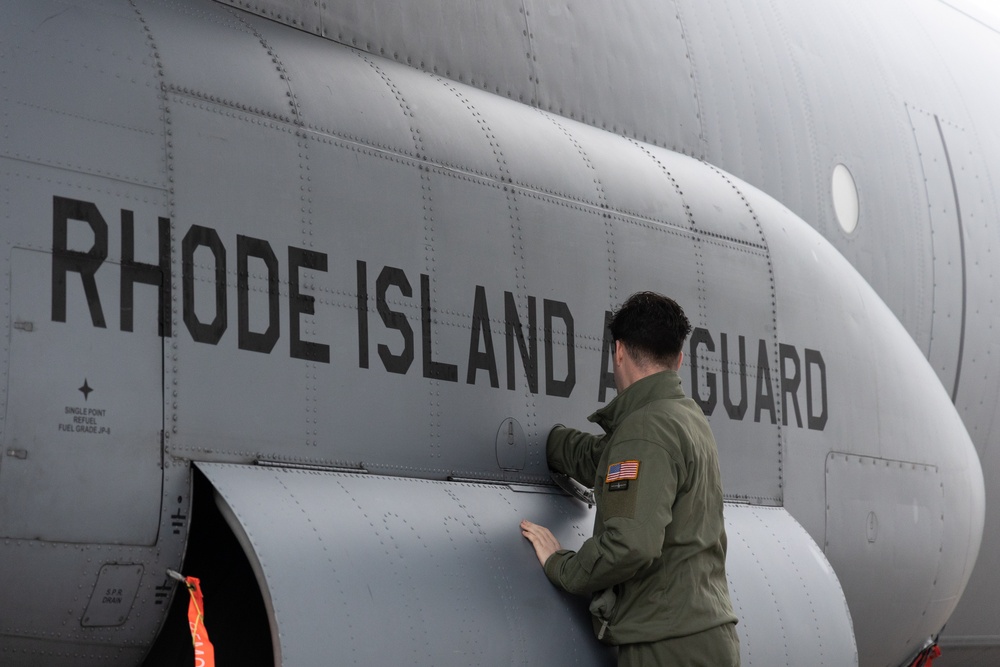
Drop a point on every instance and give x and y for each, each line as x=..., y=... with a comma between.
x=665, y=384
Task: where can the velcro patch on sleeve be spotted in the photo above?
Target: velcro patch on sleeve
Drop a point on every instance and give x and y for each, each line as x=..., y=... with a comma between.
x=621, y=471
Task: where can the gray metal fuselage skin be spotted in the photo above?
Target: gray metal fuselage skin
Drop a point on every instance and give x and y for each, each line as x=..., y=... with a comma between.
x=349, y=264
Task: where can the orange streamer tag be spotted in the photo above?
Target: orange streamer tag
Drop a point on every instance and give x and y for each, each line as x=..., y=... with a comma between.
x=204, y=652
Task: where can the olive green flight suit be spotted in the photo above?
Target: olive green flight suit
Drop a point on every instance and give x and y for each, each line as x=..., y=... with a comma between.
x=655, y=566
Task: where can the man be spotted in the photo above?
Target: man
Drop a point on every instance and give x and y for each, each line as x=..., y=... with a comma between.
x=655, y=566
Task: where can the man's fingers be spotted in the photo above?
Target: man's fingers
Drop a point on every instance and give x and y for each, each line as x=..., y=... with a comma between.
x=528, y=531
x=535, y=533
x=541, y=538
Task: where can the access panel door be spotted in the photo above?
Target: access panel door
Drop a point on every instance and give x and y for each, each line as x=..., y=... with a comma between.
x=81, y=459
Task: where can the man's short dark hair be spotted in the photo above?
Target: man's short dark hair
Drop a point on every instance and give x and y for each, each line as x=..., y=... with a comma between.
x=652, y=327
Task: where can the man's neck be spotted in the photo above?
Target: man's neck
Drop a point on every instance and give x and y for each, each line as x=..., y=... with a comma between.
x=632, y=373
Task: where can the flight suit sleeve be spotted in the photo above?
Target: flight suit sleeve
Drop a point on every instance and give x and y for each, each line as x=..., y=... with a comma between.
x=574, y=453
x=635, y=513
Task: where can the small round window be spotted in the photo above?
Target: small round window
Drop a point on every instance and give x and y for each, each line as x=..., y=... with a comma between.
x=845, y=198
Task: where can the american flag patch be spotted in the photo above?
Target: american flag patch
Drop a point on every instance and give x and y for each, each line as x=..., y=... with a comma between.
x=622, y=470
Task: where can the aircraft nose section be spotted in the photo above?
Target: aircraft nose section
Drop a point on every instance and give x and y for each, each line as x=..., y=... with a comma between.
x=902, y=515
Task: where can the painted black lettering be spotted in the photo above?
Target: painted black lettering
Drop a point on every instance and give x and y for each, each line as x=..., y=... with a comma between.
x=247, y=247
x=485, y=360
x=734, y=410
x=434, y=370
x=84, y=263
x=303, y=304
x=196, y=237
x=528, y=349
x=133, y=272
x=391, y=276
x=814, y=358
x=553, y=387
x=765, y=395
x=362, y=314
x=789, y=385
x=607, y=361
x=701, y=337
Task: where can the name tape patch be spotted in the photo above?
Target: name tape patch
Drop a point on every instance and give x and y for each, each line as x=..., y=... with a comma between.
x=622, y=470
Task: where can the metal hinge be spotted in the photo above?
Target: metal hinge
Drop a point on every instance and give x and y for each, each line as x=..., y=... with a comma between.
x=316, y=467
x=570, y=486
